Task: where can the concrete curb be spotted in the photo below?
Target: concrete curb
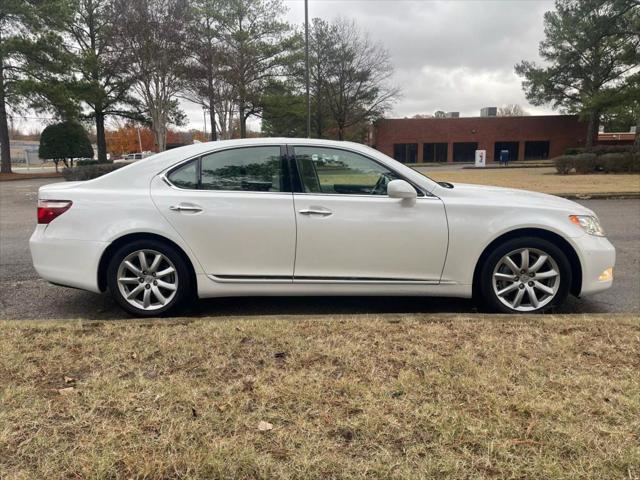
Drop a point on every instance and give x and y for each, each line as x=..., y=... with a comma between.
x=599, y=196
x=28, y=177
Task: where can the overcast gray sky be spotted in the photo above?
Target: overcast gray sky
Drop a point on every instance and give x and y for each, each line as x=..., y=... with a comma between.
x=454, y=55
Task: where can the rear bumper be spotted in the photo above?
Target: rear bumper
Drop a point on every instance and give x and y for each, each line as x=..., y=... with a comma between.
x=72, y=263
x=596, y=255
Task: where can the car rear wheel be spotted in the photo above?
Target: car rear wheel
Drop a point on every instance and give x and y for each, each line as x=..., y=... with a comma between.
x=148, y=278
x=525, y=275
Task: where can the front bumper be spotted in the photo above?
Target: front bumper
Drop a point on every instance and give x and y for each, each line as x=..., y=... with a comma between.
x=72, y=263
x=596, y=256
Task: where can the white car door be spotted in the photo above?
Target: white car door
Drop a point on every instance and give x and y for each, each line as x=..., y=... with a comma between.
x=350, y=230
x=234, y=208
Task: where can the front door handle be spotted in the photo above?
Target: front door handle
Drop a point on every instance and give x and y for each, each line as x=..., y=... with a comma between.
x=313, y=211
x=185, y=208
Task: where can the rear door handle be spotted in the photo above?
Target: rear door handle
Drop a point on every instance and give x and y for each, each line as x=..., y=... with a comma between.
x=185, y=208
x=313, y=211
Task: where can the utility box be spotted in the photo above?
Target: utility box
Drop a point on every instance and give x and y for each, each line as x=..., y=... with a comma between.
x=481, y=158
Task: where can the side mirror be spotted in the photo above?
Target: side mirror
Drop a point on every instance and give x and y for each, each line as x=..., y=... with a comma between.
x=401, y=189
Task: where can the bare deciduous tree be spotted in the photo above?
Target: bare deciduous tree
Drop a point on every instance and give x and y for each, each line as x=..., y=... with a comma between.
x=356, y=77
x=512, y=110
x=103, y=78
x=154, y=32
x=203, y=76
x=257, y=46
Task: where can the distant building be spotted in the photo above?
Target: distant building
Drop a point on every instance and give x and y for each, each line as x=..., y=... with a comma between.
x=417, y=140
x=453, y=115
x=489, y=112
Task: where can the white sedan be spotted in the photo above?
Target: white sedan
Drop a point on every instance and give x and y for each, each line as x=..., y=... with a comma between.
x=310, y=217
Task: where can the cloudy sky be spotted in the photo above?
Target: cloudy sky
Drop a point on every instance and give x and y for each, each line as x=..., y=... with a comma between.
x=455, y=55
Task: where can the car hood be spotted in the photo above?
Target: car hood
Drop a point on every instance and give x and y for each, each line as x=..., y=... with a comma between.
x=515, y=197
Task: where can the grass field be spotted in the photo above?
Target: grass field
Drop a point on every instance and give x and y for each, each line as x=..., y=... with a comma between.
x=389, y=396
x=543, y=180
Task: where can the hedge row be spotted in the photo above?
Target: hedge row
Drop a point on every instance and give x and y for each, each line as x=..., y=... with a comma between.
x=602, y=149
x=89, y=171
x=627, y=162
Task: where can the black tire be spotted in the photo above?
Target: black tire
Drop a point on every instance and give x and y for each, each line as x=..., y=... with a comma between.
x=183, y=279
x=485, y=279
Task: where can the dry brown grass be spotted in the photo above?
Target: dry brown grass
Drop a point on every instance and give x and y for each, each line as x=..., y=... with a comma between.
x=389, y=396
x=543, y=180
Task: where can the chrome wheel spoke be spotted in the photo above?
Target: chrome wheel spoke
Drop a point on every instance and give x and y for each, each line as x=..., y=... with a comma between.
x=511, y=264
x=156, y=263
x=165, y=272
x=133, y=293
x=524, y=260
x=518, y=300
x=506, y=277
x=543, y=287
x=150, y=289
x=508, y=289
x=165, y=285
x=146, y=298
x=132, y=268
x=533, y=298
x=142, y=258
x=545, y=275
x=158, y=294
x=542, y=259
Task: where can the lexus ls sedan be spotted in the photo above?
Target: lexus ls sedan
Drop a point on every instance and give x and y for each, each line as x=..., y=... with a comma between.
x=283, y=216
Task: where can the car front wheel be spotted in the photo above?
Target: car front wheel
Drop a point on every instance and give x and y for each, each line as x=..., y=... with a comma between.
x=148, y=278
x=525, y=275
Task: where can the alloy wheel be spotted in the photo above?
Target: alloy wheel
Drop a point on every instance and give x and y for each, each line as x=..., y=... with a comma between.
x=147, y=279
x=526, y=279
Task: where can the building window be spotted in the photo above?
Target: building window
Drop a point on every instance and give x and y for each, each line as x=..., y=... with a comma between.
x=511, y=149
x=536, y=150
x=435, y=152
x=405, y=152
x=464, y=151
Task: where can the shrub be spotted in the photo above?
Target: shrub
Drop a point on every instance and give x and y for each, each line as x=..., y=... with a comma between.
x=564, y=164
x=601, y=149
x=87, y=172
x=82, y=163
x=612, y=162
x=585, y=163
x=573, y=151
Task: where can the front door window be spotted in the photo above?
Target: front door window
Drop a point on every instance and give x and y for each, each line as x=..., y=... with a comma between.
x=340, y=172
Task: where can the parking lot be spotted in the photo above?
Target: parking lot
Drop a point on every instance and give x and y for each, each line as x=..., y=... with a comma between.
x=25, y=296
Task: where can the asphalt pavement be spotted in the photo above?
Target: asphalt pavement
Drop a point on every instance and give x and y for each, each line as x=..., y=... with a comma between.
x=23, y=295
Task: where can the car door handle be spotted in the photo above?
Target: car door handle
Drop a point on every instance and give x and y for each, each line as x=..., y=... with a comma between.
x=185, y=208
x=313, y=211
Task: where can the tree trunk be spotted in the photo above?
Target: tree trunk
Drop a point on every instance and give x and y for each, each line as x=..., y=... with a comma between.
x=340, y=132
x=637, y=140
x=592, y=129
x=212, y=120
x=100, y=136
x=243, y=120
x=5, y=153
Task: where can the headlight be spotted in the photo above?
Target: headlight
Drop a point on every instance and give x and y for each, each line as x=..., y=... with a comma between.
x=589, y=224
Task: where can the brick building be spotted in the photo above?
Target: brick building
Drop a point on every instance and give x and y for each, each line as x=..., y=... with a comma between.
x=418, y=140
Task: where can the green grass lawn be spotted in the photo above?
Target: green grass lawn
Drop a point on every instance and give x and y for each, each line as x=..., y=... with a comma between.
x=388, y=396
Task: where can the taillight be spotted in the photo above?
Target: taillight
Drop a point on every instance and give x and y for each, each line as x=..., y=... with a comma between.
x=48, y=210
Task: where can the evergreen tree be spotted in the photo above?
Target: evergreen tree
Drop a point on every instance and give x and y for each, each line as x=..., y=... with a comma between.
x=591, y=50
x=32, y=66
x=64, y=141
